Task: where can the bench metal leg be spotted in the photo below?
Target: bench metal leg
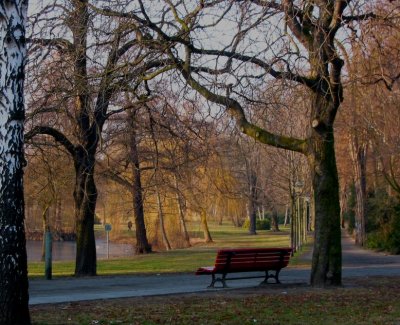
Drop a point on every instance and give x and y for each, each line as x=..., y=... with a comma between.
x=215, y=279
x=269, y=276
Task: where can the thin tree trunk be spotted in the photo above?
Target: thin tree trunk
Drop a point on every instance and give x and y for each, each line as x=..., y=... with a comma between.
x=161, y=219
x=58, y=216
x=13, y=259
x=259, y=212
x=343, y=205
x=286, y=215
x=46, y=227
x=359, y=157
x=253, y=203
x=204, y=226
x=274, y=220
x=181, y=214
x=142, y=244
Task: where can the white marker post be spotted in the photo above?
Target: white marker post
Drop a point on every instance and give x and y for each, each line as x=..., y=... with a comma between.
x=107, y=228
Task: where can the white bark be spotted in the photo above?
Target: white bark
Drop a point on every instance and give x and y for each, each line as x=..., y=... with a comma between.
x=13, y=261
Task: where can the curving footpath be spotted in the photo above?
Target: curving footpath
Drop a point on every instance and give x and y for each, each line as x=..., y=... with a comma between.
x=357, y=262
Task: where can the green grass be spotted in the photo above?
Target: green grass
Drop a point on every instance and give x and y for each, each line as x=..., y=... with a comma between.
x=364, y=301
x=178, y=260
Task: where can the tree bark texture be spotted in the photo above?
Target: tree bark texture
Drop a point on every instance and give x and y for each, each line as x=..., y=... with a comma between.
x=85, y=198
x=13, y=259
x=327, y=254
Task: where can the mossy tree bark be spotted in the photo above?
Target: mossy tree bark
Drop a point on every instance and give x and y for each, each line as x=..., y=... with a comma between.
x=327, y=257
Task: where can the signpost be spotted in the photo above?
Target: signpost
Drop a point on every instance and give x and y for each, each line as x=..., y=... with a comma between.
x=107, y=228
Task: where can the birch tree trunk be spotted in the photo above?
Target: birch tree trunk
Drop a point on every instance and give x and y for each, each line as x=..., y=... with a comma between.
x=13, y=259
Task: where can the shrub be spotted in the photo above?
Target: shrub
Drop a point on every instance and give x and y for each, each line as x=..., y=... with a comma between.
x=383, y=224
x=264, y=224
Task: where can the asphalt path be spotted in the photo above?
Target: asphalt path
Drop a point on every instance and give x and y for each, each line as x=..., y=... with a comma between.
x=357, y=262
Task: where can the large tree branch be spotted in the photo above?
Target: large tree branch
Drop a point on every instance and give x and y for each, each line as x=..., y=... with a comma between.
x=57, y=135
x=293, y=17
x=288, y=75
x=366, y=16
x=236, y=111
x=114, y=176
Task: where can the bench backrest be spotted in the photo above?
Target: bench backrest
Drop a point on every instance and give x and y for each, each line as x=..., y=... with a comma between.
x=252, y=259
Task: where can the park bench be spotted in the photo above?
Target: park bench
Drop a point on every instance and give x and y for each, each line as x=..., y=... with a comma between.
x=247, y=260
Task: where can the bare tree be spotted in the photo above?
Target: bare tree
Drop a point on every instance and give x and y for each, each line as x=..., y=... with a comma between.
x=89, y=63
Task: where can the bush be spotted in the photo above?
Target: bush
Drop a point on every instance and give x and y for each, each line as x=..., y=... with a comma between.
x=383, y=224
x=264, y=224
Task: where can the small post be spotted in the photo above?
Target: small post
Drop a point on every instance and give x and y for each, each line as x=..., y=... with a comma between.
x=48, y=255
x=107, y=228
x=108, y=246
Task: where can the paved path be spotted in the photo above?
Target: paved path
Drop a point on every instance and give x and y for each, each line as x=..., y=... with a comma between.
x=356, y=263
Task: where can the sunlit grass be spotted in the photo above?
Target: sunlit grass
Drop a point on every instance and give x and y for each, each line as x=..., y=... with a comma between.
x=178, y=260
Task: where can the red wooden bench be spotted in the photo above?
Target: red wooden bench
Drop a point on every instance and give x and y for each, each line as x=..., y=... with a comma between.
x=247, y=260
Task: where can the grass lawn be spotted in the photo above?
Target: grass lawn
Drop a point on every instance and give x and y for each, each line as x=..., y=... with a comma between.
x=179, y=260
x=363, y=301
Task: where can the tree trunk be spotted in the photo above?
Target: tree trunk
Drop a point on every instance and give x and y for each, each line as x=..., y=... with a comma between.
x=13, y=259
x=286, y=215
x=343, y=205
x=359, y=157
x=204, y=226
x=58, y=217
x=181, y=214
x=46, y=227
x=142, y=243
x=85, y=197
x=161, y=218
x=327, y=254
x=274, y=220
x=253, y=203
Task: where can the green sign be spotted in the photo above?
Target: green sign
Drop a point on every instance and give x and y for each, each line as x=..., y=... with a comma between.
x=107, y=227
